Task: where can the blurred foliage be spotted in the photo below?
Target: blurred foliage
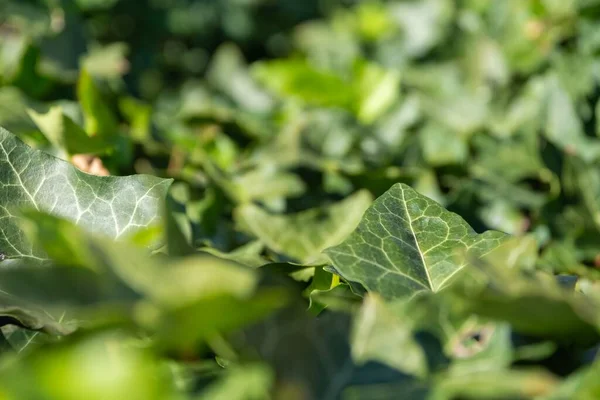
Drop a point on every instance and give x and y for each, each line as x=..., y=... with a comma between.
x=279, y=121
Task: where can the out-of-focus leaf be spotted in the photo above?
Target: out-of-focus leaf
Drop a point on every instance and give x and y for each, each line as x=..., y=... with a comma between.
x=265, y=183
x=580, y=385
x=442, y=147
x=298, y=79
x=96, y=4
x=423, y=24
x=184, y=327
x=377, y=90
x=71, y=371
x=246, y=382
x=230, y=74
x=13, y=111
x=506, y=384
x=588, y=187
x=322, y=282
x=139, y=116
x=384, y=333
x=478, y=347
x=303, y=236
x=564, y=128
x=190, y=294
x=107, y=62
x=249, y=254
x=65, y=134
x=186, y=281
x=534, y=305
x=517, y=252
x=99, y=119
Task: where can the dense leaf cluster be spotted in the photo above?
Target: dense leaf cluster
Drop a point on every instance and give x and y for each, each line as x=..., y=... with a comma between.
x=284, y=199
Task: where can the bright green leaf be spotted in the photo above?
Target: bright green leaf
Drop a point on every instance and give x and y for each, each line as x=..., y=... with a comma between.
x=66, y=135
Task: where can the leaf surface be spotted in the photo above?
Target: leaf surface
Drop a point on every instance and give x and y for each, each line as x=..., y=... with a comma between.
x=110, y=206
x=406, y=243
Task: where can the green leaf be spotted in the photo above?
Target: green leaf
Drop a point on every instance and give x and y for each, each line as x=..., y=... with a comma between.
x=564, y=127
x=582, y=384
x=384, y=332
x=197, y=297
x=534, y=304
x=99, y=119
x=107, y=61
x=263, y=183
x=376, y=90
x=322, y=282
x=519, y=252
x=185, y=282
x=406, y=243
x=32, y=318
x=248, y=254
x=507, y=384
x=229, y=73
x=139, y=116
x=441, y=146
x=112, y=206
x=185, y=327
x=13, y=111
x=66, y=135
x=245, y=382
x=300, y=80
x=70, y=370
x=422, y=23
x=303, y=236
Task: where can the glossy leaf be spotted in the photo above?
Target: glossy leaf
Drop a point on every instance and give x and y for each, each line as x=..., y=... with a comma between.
x=111, y=206
x=406, y=244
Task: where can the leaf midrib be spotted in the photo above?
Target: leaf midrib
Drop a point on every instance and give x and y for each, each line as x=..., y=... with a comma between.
x=412, y=231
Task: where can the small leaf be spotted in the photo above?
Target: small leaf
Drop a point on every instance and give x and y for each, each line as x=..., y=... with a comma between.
x=300, y=80
x=303, y=236
x=377, y=90
x=384, y=333
x=406, y=243
x=99, y=119
x=563, y=126
x=66, y=135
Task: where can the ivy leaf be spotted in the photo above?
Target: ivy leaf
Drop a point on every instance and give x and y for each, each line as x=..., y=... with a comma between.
x=65, y=134
x=303, y=236
x=110, y=206
x=381, y=327
x=99, y=119
x=563, y=126
x=407, y=243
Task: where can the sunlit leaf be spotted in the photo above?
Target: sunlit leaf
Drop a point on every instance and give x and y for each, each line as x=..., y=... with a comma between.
x=112, y=206
x=407, y=243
